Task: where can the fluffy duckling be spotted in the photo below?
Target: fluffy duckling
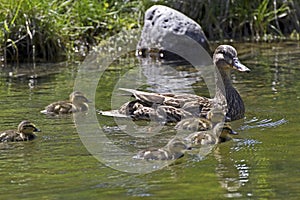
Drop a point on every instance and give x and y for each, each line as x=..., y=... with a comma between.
x=219, y=133
x=226, y=133
x=173, y=150
x=24, y=133
x=194, y=124
x=225, y=59
x=77, y=103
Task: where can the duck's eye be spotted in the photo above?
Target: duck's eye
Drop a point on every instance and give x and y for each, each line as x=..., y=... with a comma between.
x=235, y=60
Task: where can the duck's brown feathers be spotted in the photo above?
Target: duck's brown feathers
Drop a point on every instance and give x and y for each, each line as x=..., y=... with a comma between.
x=180, y=106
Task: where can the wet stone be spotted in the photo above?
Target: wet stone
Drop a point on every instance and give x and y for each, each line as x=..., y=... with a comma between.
x=165, y=30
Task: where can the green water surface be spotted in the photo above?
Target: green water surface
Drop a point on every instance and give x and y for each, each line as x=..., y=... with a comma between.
x=262, y=162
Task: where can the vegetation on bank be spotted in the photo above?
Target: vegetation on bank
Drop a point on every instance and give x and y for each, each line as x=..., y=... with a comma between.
x=256, y=20
x=54, y=30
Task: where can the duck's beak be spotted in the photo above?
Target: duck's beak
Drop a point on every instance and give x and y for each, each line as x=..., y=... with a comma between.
x=239, y=66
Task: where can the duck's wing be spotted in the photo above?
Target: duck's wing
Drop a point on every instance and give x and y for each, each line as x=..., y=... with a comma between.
x=171, y=114
x=113, y=113
x=199, y=107
x=172, y=107
x=147, y=98
x=138, y=111
x=176, y=100
x=133, y=109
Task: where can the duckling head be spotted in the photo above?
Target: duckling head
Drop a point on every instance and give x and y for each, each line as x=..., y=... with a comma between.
x=27, y=128
x=78, y=98
x=216, y=115
x=225, y=56
x=223, y=131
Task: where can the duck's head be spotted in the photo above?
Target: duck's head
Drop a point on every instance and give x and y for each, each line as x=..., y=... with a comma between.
x=27, y=128
x=78, y=98
x=225, y=57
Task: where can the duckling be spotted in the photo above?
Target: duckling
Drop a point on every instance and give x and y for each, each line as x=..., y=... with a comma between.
x=194, y=124
x=24, y=133
x=77, y=103
x=225, y=59
x=226, y=133
x=219, y=133
x=173, y=150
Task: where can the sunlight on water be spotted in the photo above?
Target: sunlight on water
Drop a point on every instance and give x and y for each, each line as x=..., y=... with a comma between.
x=58, y=166
x=265, y=123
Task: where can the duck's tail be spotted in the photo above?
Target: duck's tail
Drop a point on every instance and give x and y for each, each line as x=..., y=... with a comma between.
x=113, y=113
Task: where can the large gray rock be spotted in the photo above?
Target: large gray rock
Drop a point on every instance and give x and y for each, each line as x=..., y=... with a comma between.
x=166, y=30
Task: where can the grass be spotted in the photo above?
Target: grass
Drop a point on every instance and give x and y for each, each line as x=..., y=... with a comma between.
x=34, y=30
x=54, y=30
x=254, y=20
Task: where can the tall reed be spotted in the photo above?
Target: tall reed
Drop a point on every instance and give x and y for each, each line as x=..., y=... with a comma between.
x=243, y=19
x=52, y=30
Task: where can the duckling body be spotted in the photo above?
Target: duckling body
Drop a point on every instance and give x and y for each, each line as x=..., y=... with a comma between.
x=194, y=124
x=76, y=103
x=173, y=150
x=219, y=133
x=25, y=132
x=190, y=105
x=177, y=147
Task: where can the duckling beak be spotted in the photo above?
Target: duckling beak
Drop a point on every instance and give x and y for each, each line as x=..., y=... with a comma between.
x=232, y=132
x=37, y=130
x=239, y=66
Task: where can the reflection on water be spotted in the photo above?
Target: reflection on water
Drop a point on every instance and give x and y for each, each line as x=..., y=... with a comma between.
x=57, y=165
x=163, y=78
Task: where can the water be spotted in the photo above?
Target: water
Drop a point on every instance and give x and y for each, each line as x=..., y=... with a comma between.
x=262, y=162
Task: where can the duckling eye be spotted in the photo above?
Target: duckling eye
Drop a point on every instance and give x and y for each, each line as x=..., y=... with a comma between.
x=27, y=127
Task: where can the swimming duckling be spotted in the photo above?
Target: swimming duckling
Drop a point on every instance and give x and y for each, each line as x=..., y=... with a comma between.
x=226, y=133
x=77, y=103
x=219, y=133
x=24, y=133
x=173, y=150
x=194, y=124
x=225, y=59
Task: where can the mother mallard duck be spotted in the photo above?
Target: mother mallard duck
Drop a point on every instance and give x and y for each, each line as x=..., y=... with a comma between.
x=169, y=107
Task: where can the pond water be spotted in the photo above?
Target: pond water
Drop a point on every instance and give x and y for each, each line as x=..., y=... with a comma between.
x=262, y=162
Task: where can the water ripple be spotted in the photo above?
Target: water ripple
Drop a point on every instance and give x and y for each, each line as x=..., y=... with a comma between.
x=265, y=123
